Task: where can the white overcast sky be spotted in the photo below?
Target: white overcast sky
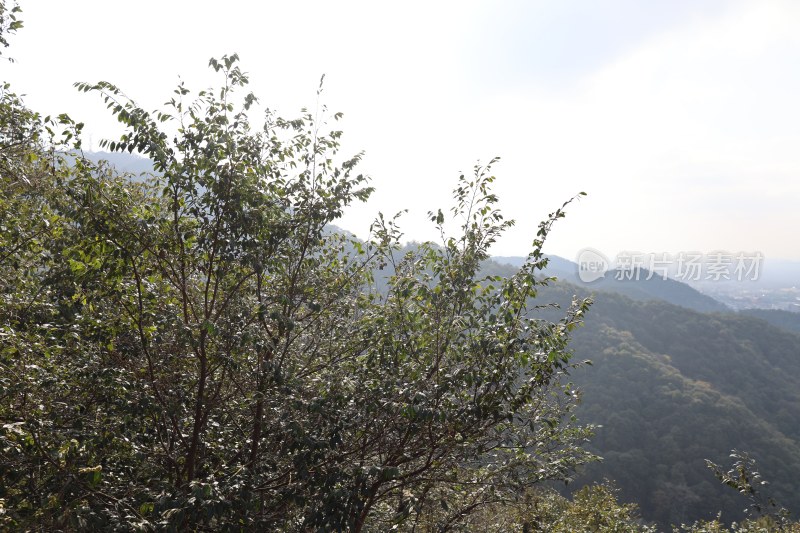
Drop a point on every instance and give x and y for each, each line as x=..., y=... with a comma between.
x=680, y=119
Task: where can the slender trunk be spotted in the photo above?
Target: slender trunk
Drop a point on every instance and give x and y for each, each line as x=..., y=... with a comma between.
x=191, y=459
x=256, y=436
x=361, y=519
x=258, y=414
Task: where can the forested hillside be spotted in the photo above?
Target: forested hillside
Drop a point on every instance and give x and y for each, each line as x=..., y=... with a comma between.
x=670, y=388
x=783, y=319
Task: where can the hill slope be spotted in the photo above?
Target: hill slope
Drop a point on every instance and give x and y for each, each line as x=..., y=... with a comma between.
x=637, y=288
x=671, y=388
x=782, y=319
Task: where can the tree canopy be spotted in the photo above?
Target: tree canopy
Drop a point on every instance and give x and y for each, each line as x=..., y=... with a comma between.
x=199, y=349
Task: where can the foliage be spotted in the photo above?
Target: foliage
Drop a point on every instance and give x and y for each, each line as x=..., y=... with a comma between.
x=747, y=526
x=745, y=479
x=200, y=351
x=593, y=508
x=596, y=508
x=787, y=320
x=9, y=22
x=764, y=514
x=669, y=388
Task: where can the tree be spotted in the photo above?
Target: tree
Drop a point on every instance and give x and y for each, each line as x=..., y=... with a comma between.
x=593, y=508
x=200, y=350
x=9, y=22
x=746, y=480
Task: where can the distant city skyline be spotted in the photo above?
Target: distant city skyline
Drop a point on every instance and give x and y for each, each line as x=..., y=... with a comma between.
x=680, y=120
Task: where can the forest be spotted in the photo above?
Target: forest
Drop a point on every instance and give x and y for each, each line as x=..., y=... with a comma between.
x=199, y=348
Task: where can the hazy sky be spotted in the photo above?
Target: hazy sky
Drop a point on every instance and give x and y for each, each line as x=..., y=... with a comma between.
x=680, y=119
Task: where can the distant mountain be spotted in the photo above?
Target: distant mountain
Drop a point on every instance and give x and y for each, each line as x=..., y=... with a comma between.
x=556, y=266
x=123, y=161
x=657, y=288
x=783, y=319
x=636, y=287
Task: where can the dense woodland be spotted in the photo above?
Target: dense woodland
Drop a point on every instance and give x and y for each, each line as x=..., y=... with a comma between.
x=671, y=387
x=197, y=349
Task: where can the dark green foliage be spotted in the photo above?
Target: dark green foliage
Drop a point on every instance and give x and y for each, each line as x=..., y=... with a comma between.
x=593, y=508
x=783, y=319
x=746, y=480
x=198, y=351
x=671, y=388
x=9, y=22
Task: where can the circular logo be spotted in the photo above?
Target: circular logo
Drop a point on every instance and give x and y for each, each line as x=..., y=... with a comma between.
x=592, y=265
